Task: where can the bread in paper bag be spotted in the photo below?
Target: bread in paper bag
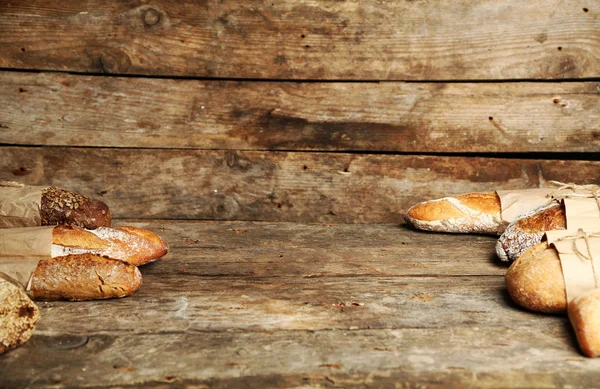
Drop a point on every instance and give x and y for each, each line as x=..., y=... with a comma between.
x=28, y=206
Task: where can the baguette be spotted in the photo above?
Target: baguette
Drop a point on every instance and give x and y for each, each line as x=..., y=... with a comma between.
x=129, y=244
x=471, y=212
x=584, y=314
x=528, y=230
x=535, y=280
x=18, y=315
x=29, y=206
x=83, y=277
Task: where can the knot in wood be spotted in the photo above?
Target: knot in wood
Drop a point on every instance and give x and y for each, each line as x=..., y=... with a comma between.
x=151, y=17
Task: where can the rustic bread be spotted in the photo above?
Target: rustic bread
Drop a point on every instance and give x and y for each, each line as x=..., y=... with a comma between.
x=528, y=230
x=129, y=244
x=61, y=206
x=18, y=315
x=471, y=212
x=584, y=314
x=83, y=277
x=535, y=280
x=30, y=206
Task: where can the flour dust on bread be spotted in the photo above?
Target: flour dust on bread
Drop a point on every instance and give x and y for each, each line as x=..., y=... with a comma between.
x=18, y=316
x=467, y=213
x=129, y=244
x=83, y=277
x=529, y=229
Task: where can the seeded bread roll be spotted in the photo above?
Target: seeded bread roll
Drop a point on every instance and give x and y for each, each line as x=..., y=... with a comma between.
x=129, y=244
x=471, y=212
x=535, y=280
x=83, y=277
x=18, y=315
x=584, y=314
x=61, y=206
x=30, y=206
x=528, y=230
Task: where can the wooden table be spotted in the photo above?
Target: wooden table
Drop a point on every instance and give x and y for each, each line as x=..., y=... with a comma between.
x=255, y=305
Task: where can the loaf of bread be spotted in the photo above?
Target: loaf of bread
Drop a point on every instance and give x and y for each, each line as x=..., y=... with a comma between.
x=61, y=206
x=28, y=206
x=471, y=212
x=528, y=230
x=535, y=280
x=83, y=277
x=584, y=314
x=129, y=244
x=18, y=315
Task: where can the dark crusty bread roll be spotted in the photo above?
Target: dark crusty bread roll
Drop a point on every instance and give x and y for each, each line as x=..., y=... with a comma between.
x=129, y=244
x=535, y=280
x=528, y=230
x=30, y=206
x=61, y=206
x=83, y=277
x=471, y=212
x=584, y=314
x=18, y=315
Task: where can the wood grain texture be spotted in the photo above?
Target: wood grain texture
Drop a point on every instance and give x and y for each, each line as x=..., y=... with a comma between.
x=273, y=186
x=434, y=358
x=296, y=39
x=191, y=327
x=249, y=276
x=59, y=109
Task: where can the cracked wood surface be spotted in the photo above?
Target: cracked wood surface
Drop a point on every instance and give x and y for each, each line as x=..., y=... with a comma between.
x=274, y=186
x=299, y=39
x=338, y=317
x=75, y=110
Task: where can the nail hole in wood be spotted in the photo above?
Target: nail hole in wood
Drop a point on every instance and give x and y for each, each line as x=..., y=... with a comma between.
x=586, y=10
x=559, y=48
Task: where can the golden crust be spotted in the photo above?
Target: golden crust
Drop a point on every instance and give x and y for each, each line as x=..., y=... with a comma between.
x=70, y=236
x=129, y=244
x=584, y=314
x=487, y=202
x=535, y=280
x=551, y=218
x=161, y=245
x=84, y=277
x=441, y=209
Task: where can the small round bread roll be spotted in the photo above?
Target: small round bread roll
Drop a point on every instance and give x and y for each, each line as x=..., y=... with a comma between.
x=584, y=314
x=535, y=280
x=18, y=315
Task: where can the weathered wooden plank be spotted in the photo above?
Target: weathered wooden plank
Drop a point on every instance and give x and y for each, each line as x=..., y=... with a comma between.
x=186, y=302
x=294, y=39
x=273, y=186
x=260, y=250
x=60, y=109
x=434, y=358
x=222, y=276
